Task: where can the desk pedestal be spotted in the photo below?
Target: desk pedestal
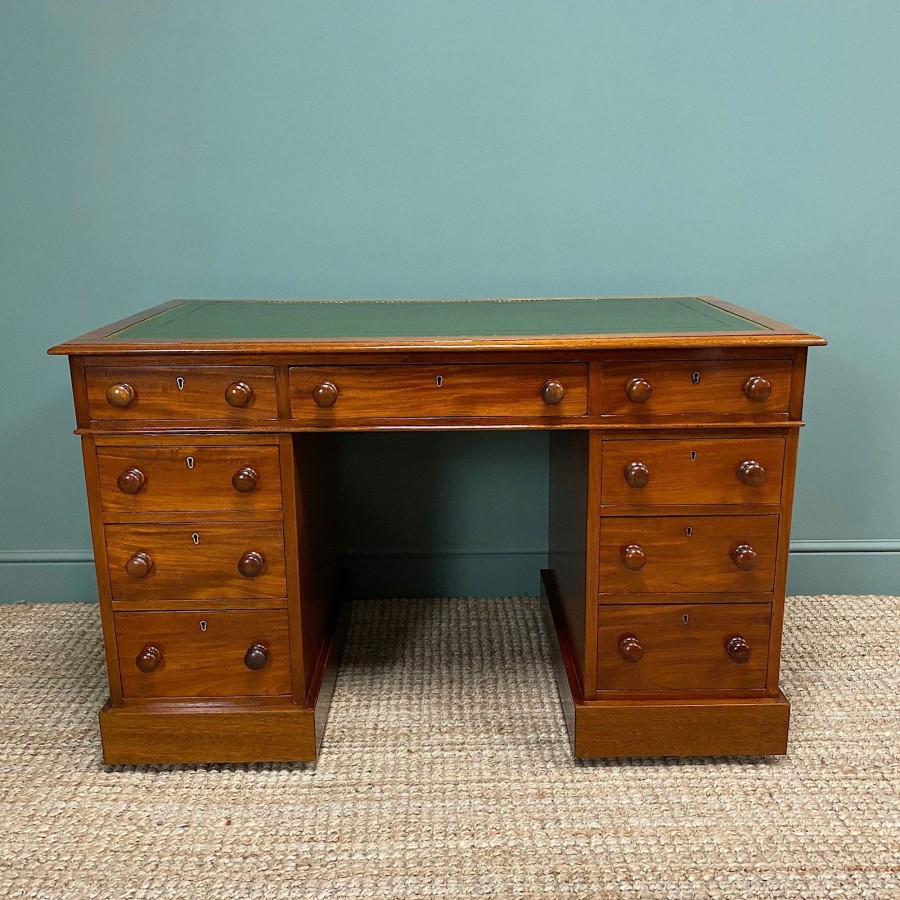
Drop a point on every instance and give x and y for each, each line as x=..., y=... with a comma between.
x=638, y=727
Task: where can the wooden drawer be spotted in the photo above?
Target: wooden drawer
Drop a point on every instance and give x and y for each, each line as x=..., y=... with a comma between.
x=745, y=387
x=660, y=554
x=196, y=561
x=691, y=471
x=698, y=646
x=203, y=654
x=224, y=393
x=324, y=394
x=180, y=477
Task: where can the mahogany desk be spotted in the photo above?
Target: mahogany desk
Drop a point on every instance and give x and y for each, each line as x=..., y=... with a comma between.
x=209, y=435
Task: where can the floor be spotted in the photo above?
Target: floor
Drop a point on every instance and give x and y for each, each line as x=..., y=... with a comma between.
x=446, y=773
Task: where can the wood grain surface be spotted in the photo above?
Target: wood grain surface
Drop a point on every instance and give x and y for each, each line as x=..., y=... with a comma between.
x=203, y=653
x=679, y=387
x=139, y=735
x=159, y=394
x=189, y=568
x=683, y=646
x=692, y=471
x=190, y=477
x=374, y=392
x=687, y=553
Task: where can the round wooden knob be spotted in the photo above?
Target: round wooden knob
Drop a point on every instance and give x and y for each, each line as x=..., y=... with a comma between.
x=637, y=474
x=238, y=394
x=757, y=388
x=751, y=473
x=552, y=392
x=738, y=649
x=120, y=395
x=131, y=481
x=745, y=557
x=633, y=557
x=630, y=648
x=325, y=394
x=638, y=390
x=256, y=657
x=139, y=566
x=244, y=480
x=148, y=659
x=251, y=564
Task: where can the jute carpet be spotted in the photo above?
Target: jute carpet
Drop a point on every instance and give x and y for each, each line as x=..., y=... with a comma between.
x=446, y=773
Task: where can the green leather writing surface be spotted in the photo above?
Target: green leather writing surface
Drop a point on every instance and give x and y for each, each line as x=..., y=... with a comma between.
x=359, y=319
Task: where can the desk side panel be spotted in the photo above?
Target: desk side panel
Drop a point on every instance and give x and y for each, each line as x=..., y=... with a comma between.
x=313, y=527
x=568, y=534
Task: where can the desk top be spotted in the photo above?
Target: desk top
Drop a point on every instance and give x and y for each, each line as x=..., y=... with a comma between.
x=337, y=325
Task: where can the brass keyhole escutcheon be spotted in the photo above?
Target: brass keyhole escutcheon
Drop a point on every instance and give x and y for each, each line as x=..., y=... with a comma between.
x=203, y=625
x=689, y=531
x=195, y=537
x=695, y=378
x=693, y=455
x=180, y=382
x=439, y=380
x=190, y=462
x=685, y=619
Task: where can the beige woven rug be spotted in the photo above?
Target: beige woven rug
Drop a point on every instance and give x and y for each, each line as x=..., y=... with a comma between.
x=446, y=773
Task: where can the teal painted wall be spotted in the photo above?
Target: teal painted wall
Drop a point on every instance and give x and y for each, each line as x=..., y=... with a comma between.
x=287, y=149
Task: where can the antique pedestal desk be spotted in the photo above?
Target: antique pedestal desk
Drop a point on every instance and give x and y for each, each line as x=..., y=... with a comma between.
x=210, y=439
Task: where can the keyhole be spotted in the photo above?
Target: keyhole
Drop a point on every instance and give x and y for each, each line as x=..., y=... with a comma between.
x=689, y=532
x=693, y=455
x=696, y=378
x=195, y=538
x=190, y=462
x=180, y=382
x=685, y=619
x=203, y=625
x=439, y=381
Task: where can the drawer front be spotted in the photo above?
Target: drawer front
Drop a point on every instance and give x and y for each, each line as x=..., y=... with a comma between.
x=323, y=394
x=224, y=393
x=203, y=654
x=698, y=646
x=693, y=471
x=233, y=560
x=189, y=477
x=743, y=387
x=659, y=554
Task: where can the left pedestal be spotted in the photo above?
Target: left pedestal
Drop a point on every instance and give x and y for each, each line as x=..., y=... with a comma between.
x=217, y=561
